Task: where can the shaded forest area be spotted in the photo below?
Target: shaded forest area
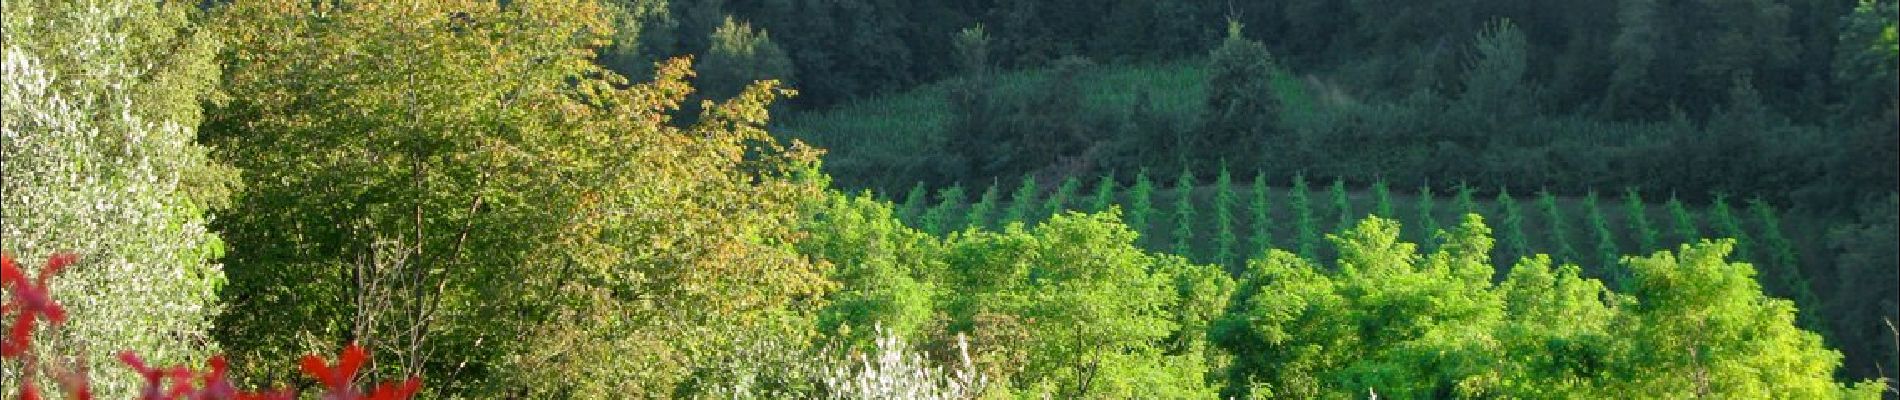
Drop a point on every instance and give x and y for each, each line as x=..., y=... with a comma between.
x=1788, y=102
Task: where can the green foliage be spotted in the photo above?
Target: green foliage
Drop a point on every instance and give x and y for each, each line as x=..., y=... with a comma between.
x=1784, y=277
x=1558, y=228
x=1382, y=200
x=1607, y=254
x=1727, y=225
x=1183, y=234
x=1224, y=203
x=942, y=217
x=1307, y=223
x=1465, y=200
x=979, y=215
x=878, y=265
x=1059, y=201
x=1022, y=203
x=1402, y=324
x=523, y=222
x=1104, y=194
x=1260, y=213
x=1141, y=203
x=913, y=209
x=100, y=108
x=1514, y=236
x=1636, y=212
x=738, y=56
x=1427, y=217
x=1683, y=220
x=1241, y=108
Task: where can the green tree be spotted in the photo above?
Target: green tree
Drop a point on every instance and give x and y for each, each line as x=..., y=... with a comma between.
x=1683, y=220
x=1104, y=194
x=1637, y=213
x=1022, y=203
x=1183, y=234
x=1728, y=226
x=941, y=217
x=1427, y=218
x=510, y=224
x=1465, y=200
x=1558, y=227
x=1780, y=260
x=100, y=105
x=913, y=208
x=1224, y=202
x=1382, y=200
x=1141, y=204
x=1607, y=253
x=880, y=269
x=979, y=215
x=738, y=56
x=1261, y=217
x=1308, y=224
x=1059, y=201
x=1514, y=235
x=1241, y=107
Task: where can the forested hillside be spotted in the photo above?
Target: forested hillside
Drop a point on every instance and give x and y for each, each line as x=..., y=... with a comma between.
x=879, y=199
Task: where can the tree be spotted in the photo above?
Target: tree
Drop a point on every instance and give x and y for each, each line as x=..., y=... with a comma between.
x=1241, y=106
x=1607, y=253
x=1224, y=203
x=1261, y=217
x=1683, y=220
x=1022, y=203
x=1382, y=200
x=1427, y=219
x=1104, y=194
x=521, y=175
x=100, y=110
x=738, y=56
x=1779, y=257
x=1728, y=226
x=1308, y=226
x=913, y=208
x=1183, y=234
x=940, y=218
x=1559, y=229
x=1141, y=203
x=1704, y=328
x=1059, y=201
x=1514, y=236
x=979, y=215
x=1342, y=206
x=1637, y=213
x=882, y=268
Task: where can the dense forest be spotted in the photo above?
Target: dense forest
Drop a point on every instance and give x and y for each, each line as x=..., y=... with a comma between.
x=882, y=199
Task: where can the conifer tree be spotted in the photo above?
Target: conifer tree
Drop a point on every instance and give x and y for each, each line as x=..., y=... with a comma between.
x=1104, y=194
x=1637, y=213
x=940, y=218
x=1308, y=225
x=1427, y=222
x=1514, y=235
x=1607, y=253
x=1342, y=206
x=979, y=216
x=1022, y=204
x=1727, y=225
x=1262, y=218
x=1559, y=230
x=1058, y=202
x=1224, y=239
x=1466, y=200
x=1786, y=266
x=1684, y=220
x=1141, y=205
x=1382, y=200
x=913, y=208
x=1184, y=214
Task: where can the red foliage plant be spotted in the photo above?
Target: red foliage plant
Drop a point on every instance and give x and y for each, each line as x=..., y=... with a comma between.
x=31, y=301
